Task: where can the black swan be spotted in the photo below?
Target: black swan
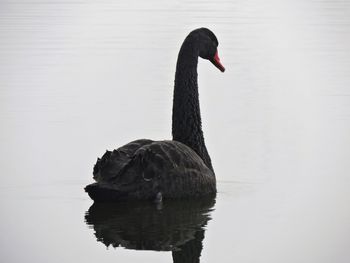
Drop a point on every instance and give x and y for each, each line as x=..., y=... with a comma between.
x=178, y=168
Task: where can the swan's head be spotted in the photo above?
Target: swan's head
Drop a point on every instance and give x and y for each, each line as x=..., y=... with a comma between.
x=208, y=46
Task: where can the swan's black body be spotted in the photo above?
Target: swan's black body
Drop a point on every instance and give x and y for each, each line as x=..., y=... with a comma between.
x=181, y=168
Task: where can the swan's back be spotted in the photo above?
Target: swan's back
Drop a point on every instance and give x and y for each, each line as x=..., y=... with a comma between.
x=143, y=169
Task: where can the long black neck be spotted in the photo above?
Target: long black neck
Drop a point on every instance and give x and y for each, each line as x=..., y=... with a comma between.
x=187, y=124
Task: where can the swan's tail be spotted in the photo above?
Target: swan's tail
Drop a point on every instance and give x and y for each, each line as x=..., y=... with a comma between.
x=102, y=193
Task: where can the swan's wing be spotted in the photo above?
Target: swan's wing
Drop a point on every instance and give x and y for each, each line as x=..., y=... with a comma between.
x=143, y=169
x=113, y=162
x=167, y=167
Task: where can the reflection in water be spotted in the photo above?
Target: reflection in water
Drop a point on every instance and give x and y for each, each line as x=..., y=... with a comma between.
x=177, y=226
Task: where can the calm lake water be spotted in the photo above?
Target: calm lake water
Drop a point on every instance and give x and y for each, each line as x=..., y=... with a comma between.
x=80, y=77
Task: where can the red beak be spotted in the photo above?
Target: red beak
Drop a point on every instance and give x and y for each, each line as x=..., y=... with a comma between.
x=216, y=61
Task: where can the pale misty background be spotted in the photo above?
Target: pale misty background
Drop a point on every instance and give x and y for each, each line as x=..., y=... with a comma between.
x=80, y=77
